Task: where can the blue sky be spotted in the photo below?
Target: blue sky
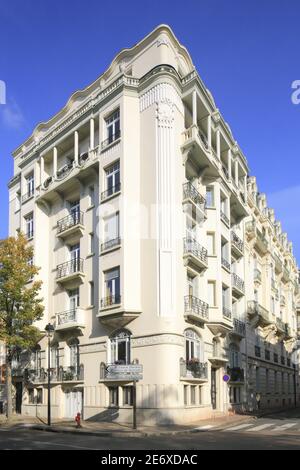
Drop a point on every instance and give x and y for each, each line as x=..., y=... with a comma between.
x=246, y=52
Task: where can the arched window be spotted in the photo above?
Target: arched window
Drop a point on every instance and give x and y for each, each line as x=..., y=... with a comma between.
x=74, y=354
x=234, y=355
x=193, y=346
x=120, y=347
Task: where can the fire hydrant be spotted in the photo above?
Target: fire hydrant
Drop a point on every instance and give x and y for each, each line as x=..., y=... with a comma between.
x=78, y=420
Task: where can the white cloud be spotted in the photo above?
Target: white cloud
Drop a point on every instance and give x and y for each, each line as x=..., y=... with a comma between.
x=12, y=116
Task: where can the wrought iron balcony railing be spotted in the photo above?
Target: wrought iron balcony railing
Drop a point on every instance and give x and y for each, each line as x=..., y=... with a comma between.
x=190, y=246
x=111, y=301
x=239, y=327
x=111, y=139
x=71, y=267
x=238, y=282
x=190, y=192
x=236, y=374
x=224, y=218
x=196, y=306
x=237, y=242
x=227, y=313
x=193, y=368
x=71, y=220
x=111, y=191
x=226, y=264
x=109, y=244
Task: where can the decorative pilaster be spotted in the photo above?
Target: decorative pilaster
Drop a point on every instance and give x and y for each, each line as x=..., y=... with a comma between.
x=76, y=147
x=54, y=162
x=92, y=133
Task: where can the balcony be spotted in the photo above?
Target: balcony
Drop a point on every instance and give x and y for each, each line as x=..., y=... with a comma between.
x=255, y=310
x=278, y=264
x=250, y=230
x=238, y=285
x=219, y=356
x=281, y=327
x=194, y=255
x=113, y=139
x=236, y=375
x=195, y=309
x=114, y=314
x=285, y=275
x=225, y=264
x=67, y=374
x=111, y=192
x=261, y=243
x=70, y=271
x=239, y=328
x=257, y=276
x=71, y=227
x=196, y=152
x=110, y=245
x=227, y=313
x=120, y=372
x=191, y=197
x=237, y=245
x=193, y=370
x=224, y=218
x=70, y=320
x=27, y=196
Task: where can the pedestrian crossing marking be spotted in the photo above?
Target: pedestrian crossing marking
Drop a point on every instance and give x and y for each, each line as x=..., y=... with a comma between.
x=261, y=427
x=237, y=428
x=285, y=426
x=204, y=428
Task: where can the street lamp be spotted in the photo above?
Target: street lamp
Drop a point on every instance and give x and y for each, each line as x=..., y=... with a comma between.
x=49, y=330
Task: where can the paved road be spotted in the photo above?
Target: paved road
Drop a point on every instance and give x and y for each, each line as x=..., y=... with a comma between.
x=274, y=432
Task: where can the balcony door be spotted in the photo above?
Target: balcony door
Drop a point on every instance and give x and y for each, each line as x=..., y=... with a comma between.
x=112, y=286
x=73, y=299
x=75, y=211
x=75, y=257
x=120, y=348
x=113, y=179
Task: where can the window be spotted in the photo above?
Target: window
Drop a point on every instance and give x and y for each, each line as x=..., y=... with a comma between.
x=234, y=395
x=112, y=175
x=112, y=286
x=234, y=355
x=74, y=299
x=74, y=354
x=272, y=305
x=128, y=396
x=36, y=360
x=75, y=211
x=225, y=297
x=211, y=289
x=75, y=257
x=211, y=244
x=39, y=396
x=193, y=394
x=92, y=244
x=111, y=228
x=185, y=394
x=91, y=201
x=113, y=396
x=31, y=396
x=210, y=201
x=92, y=293
x=29, y=185
x=29, y=226
x=54, y=357
x=193, y=346
x=113, y=126
x=120, y=347
x=267, y=380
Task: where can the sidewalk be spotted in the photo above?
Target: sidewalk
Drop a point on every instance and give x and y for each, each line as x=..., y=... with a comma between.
x=108, y=429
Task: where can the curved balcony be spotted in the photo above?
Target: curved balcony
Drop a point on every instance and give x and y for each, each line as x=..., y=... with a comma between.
x=194, y=202
x=237, y=245
x=239, y=328
x=262, y=316
x=194, y=255
x=193, y=370
x=195, y=309
x=196, y=152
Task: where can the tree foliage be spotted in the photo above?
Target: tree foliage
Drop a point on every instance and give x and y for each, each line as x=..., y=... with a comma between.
x=20, y=305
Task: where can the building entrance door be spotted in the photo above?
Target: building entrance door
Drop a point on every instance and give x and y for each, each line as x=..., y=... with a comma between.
x=73, y=403
x=214, y=388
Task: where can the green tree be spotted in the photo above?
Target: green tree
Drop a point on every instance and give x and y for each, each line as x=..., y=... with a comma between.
x=20, y=305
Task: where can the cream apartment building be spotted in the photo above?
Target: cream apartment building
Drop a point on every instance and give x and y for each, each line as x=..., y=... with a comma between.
x=160, y=259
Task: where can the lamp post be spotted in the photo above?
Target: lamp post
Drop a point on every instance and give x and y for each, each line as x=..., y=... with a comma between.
x=49, y=330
